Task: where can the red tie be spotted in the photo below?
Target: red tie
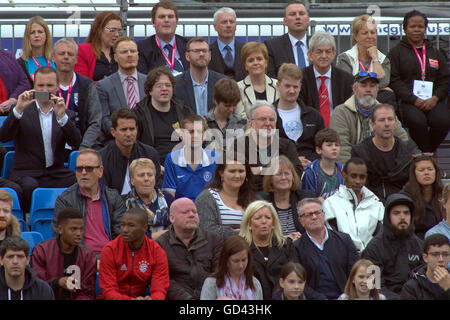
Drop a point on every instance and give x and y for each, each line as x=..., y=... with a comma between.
x=324, y=102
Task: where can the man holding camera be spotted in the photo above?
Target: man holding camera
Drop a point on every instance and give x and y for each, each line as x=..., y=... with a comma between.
x=40, y=128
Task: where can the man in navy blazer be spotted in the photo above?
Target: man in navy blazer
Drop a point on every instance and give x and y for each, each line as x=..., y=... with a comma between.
x=226, y=51
x=292, y=45
x=40, y=129
x=195, y=87
x=158, y=49
x=113, y=90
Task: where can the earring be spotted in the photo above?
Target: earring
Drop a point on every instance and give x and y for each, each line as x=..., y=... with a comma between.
x=249, y=228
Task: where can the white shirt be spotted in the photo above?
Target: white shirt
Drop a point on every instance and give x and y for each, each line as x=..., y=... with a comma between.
x=318, y=245
x=46, y=122
x=290, y=120
x=304, y=48
x=126, y=183
x=327, y=83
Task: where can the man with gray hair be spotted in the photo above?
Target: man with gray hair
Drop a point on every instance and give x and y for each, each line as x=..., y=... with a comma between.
x=79, y=93
x=323, y=85
x=351, y=120
x=262, y=145
x=226, y=51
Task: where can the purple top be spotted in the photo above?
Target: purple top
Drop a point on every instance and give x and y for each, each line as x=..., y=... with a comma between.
x=12, y=74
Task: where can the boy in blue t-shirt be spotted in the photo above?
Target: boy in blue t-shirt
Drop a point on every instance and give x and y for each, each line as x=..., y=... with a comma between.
x=187, y=171
x=324, y=175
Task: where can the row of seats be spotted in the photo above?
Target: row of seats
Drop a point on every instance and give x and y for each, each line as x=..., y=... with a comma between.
x=41, y=211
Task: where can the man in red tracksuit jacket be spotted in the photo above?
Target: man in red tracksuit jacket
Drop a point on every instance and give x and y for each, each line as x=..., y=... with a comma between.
x=132, y=261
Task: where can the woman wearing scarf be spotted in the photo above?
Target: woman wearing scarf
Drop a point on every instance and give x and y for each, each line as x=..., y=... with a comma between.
x=234, y=278
x=144, y=195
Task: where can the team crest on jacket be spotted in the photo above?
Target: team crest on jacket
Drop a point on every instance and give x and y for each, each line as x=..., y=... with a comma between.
x=143, y=266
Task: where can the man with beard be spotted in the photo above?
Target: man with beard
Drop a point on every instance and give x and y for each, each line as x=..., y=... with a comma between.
x=432, y=281
x=397, y=250
x=387, y=157
x=9, y=225
x=261, y=147
x=196, y=86
x=351, y=119
x=192, y=252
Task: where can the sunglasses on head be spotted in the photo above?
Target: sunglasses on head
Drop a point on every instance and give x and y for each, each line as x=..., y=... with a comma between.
x=365, y=73
x=423, y=154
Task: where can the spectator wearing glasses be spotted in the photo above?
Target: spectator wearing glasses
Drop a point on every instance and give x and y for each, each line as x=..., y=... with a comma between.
x=102, y=207
x=425, y=188
x=432, y=281
x=159, y=114
x=96, y=56
x=386, y=156
x=195, y=86
x=327, y=255
x=351, y=119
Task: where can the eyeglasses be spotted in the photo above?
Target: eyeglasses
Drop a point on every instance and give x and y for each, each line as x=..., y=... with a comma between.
x=88, y=169
x=309, y=215
x=436, y=255
x=423, y=154
x=365, y=73
x=113, y=30
x=161, y=85
x=196, y=51
x=266, y=119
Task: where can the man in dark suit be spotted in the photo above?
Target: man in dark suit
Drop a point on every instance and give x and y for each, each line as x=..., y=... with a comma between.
x=195, y=87
x=226, y=51
x=124, y=88
x=165, y=48
x=292, y=46
x=337, y=82
x=40, y=129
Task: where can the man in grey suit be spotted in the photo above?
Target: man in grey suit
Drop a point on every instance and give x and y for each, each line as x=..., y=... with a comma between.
x=195, y=87
x=292, y=46
x=124, y=88
x=226, y=51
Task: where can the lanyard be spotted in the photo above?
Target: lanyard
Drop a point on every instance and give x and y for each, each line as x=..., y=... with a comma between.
x=362, y=66
x=171, y=63
x=422, y=61
x=37, y=63
x=68, y=93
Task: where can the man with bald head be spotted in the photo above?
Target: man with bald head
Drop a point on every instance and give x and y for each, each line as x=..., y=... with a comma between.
x=192, y=252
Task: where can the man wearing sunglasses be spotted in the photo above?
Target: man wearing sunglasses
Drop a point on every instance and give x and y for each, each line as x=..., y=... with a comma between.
x=351, y=119
x=432, y=281
x=102, y=207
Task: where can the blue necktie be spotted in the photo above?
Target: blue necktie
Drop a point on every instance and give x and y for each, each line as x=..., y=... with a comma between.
x=177, y=65
x=300, y=55
x=228, y=58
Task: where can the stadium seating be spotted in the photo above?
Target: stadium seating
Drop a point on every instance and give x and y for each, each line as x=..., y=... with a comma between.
x=17, y=210
x=41, y=211
x=10, y=144
x=7, y=164
x=73, y=160
x=33, y=238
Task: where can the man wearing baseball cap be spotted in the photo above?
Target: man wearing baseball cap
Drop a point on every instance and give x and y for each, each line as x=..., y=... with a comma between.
x=351, y=120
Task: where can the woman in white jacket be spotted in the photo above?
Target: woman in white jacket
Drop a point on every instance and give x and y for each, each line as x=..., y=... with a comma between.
x=354, y=209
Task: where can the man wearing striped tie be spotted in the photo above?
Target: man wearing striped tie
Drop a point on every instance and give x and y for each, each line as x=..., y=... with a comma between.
x=124, y=88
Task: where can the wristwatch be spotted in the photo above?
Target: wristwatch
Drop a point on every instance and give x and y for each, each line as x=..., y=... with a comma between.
x=377, y=60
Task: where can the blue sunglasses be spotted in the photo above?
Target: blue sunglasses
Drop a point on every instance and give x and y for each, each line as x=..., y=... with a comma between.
x=365, y=73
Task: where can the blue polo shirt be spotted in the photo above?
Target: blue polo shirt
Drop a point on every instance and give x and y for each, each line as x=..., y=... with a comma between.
x=179, y=177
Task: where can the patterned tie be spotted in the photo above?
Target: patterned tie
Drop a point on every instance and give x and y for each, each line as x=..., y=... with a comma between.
x=324, y=102
x=300, y=55
x=229, y=58
x=131, y=92
x=177, y=65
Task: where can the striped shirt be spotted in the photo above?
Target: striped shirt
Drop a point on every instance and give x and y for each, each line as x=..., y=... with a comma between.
x=286, y=220
x=229, y=216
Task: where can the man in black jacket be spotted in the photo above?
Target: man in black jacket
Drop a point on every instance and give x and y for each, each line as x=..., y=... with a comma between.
x=17, y=280
x=117, y=155
x=431, y=282
x=327, y=255
x=397, y=250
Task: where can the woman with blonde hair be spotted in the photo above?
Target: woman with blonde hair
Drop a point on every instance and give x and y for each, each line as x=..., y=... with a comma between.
x=257, y=85
x=96, y=56
x=37, y=47
x=261, y=228
x=361, y=283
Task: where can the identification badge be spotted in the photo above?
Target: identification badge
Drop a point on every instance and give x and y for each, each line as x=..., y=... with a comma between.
x=176, y=73
x=423, y=89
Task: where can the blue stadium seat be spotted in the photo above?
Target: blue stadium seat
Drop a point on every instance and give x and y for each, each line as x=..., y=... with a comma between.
x=10, y=144
x=73, y=160
x=17, y=210
x=33, y=238
x=41, y=211
x=7, y=164
x=98, y=290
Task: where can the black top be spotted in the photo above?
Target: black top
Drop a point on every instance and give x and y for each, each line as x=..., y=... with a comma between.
x=104, y=68
x=260, y=95
x=163, y=123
